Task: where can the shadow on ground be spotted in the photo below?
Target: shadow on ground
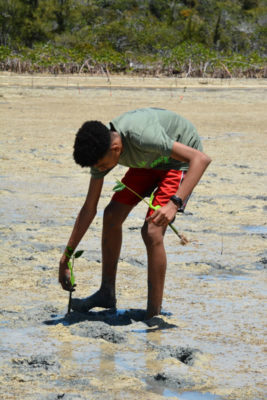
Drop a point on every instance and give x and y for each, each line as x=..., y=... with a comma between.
x=113, y=317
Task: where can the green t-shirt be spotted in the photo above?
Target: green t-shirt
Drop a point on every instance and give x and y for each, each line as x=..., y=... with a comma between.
x=147, y=137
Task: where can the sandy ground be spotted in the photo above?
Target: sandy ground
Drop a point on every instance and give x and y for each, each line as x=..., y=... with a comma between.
x=209, y=342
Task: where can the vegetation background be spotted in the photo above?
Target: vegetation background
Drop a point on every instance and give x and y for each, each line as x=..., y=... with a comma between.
x=218, y=38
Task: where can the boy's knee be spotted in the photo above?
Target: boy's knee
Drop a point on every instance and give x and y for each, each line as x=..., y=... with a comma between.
x=112, y=215
x=152, y=235
x=109, y=214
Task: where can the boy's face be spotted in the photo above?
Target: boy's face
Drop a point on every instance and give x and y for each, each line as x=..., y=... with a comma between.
x=109, y=160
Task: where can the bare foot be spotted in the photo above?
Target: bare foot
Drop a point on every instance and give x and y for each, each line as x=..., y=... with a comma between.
x=98, y=299
x=152, y=311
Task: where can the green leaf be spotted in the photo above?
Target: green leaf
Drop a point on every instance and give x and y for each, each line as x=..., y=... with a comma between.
x=118, y=187
x=72, y=278
x=78, y=253
x=70, y=266
x=69, y=251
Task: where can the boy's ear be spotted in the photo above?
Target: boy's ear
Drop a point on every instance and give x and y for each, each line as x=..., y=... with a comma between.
x=115, y=147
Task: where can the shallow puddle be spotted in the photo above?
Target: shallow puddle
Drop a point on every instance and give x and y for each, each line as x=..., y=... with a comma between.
x=190, y=395
x=255, y=229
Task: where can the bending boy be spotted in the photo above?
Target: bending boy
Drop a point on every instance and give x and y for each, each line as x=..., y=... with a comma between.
x=164, y=154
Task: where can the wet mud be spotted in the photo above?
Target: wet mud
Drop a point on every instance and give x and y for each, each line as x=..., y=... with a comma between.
x=208, y=343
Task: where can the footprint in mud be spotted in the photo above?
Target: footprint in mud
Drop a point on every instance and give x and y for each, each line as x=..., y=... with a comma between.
x=98, y=330
x=184, y=354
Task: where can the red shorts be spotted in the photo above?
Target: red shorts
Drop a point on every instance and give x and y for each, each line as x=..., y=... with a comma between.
x=145, y=181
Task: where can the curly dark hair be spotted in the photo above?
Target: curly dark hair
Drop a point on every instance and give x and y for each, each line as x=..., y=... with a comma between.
x=91, y=143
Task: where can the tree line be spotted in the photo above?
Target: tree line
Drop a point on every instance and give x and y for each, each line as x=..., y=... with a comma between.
x=173, y=37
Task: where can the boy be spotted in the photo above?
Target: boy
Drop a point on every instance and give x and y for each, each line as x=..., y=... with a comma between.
x=164, y=153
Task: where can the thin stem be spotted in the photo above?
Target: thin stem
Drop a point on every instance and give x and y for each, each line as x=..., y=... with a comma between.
x=70, y=293
x=138, y=195
x=69, y=305
x=175, y=230
x=150, y=206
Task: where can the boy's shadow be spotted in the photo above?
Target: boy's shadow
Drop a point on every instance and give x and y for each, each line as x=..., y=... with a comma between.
x=113, y=317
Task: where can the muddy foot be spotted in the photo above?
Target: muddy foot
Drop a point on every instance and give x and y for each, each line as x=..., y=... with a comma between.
x=159, y=323
x=98, y=299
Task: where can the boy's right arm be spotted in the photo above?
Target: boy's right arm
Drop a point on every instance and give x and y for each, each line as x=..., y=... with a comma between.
x=82, y=223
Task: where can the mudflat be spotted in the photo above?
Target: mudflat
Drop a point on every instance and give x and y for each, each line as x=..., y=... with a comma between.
x=209, y=341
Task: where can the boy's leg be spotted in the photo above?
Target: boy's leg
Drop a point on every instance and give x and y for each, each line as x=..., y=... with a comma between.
x=153, y=237
x=114, y=216
x=156, y=258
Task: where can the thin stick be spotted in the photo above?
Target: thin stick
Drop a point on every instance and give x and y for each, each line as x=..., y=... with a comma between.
x=182, y=237
x=141, y=198
x=69, y=305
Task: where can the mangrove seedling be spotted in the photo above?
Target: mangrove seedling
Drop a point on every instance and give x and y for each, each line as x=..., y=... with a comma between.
x=71, y=256
x=121, y=186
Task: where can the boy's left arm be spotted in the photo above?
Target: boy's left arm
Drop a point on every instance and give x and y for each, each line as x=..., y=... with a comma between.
x=198, y=162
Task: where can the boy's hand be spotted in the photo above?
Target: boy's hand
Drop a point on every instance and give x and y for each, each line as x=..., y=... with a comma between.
x=64, y=275
x=164, y=215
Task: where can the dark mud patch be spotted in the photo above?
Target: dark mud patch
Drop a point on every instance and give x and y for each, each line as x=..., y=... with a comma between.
x=65, y=396
x=98, y=330
x=262, y=263
x=38, y=362
x=186, y=354
x=264, y=198
x=162, y=382
x=58, y=396
x=170, y=386
x=171, y=381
